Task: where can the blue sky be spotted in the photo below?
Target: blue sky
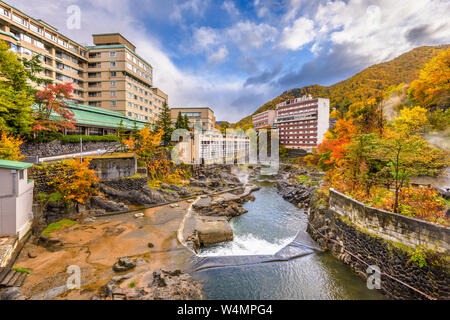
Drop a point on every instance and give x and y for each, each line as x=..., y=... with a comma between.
x=236, y=55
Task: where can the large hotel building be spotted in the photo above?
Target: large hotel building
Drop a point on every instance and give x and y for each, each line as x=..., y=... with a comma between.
x=302, y=122
x=109, y=74
x=204, y=115
x=264, y=120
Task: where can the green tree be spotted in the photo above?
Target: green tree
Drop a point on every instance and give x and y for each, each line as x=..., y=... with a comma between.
x=181, y=122
x=16, y=93
x=164, y=124
x=405, y=153
x=186, y=122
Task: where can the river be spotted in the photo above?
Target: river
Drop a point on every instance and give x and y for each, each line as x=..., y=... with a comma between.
x=252, y=267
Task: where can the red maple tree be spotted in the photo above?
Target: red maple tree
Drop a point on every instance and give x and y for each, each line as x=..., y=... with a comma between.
x=51, y=113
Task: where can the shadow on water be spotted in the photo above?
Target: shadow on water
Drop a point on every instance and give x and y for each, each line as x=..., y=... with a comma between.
x=272, y=257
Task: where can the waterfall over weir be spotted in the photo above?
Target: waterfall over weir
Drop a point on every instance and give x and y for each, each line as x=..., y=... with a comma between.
x=273, y=257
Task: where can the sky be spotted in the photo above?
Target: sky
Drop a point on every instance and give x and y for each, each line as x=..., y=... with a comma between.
x=234, y=56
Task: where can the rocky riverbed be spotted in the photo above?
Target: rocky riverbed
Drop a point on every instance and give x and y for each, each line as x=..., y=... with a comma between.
x=128, y=256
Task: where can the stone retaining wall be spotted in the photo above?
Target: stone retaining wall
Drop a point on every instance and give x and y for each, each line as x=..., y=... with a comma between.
x=390, y=226
x=126, y=184
x=349, y=229
x=113, y=167
x=57, y=148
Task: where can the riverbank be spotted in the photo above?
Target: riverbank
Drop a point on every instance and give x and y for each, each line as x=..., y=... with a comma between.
x=95, y=245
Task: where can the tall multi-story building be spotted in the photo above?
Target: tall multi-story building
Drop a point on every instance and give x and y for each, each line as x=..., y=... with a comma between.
x=204, y=115
x=303, y=122
x=109, y=74
x=264, y=119
x=63, y=60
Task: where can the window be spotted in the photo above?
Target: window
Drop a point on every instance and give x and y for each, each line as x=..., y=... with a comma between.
x=20, y=20
x=50, y=36
x=112, y=64
x=36, y=29
x=25, y=38
x=21, y=174
x=95, y=55
x=38, y=44
x=113, y=74
x=112, y=54
x=113, y=93
x=113, y=103
x=113, y=83
x=4, y=12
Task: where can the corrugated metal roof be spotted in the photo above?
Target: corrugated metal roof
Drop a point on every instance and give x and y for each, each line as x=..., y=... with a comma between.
x=98, y=117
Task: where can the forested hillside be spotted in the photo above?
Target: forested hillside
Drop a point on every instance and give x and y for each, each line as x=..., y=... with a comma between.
x=370, y=82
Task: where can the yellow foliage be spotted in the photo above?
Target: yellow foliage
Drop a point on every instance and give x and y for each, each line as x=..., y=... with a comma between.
x=10, y=147
x=433, y=86
x=411, y=121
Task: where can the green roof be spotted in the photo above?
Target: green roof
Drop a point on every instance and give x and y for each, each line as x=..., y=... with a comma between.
x=93, y=116
x=98, y=117
x=14, y=165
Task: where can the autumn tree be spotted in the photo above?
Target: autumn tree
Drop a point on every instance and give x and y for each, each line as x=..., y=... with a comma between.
x=10, y=147
x=432, y=88
x=70, y=182
x=406, y=153
x=51, y=112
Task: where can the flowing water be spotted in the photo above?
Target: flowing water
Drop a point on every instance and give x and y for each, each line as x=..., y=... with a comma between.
x=272, y=257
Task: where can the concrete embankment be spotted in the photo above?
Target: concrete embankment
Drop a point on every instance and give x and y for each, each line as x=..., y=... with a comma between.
x=412, y=254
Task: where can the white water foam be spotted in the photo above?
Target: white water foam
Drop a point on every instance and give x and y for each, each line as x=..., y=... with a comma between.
x=246, y=245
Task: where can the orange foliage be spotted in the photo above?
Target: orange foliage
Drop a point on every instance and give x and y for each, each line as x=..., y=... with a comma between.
x=10, y=147
x=335, y=143
x=73, y=180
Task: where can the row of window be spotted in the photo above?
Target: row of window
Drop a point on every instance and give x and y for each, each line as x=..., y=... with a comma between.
x=37, y=29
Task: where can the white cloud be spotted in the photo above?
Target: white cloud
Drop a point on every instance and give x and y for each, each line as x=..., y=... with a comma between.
x=248, y=34
x=205, y=37
x=218, y=56
x=196, y=7
x=378, y=29
x=300, y=33
x=230, y=8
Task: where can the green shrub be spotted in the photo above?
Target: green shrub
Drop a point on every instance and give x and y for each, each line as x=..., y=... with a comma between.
x=76, y=139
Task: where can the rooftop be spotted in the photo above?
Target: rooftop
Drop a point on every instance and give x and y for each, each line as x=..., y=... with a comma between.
x=186, y=108
x=15, y=165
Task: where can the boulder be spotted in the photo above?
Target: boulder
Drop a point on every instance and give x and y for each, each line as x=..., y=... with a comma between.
x=108, y=205
x=124, y=264
x=156, y=196
x=211, y=230
x=12, y=293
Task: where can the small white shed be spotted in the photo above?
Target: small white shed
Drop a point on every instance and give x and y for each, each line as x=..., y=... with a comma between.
x=16, y=198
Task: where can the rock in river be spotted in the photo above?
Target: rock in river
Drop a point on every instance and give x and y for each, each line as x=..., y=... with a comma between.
x=124, y=264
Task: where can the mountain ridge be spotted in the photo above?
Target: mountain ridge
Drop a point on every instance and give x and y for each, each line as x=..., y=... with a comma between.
x=366, y=83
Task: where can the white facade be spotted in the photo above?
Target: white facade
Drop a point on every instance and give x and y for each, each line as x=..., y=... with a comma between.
x=16, y=200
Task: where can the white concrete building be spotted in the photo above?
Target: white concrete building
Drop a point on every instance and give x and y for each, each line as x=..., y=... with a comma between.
x=16, y=198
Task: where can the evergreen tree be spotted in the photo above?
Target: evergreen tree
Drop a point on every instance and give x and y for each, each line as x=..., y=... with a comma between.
x=186, y=122
x=164, y=123
x=180, y=124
